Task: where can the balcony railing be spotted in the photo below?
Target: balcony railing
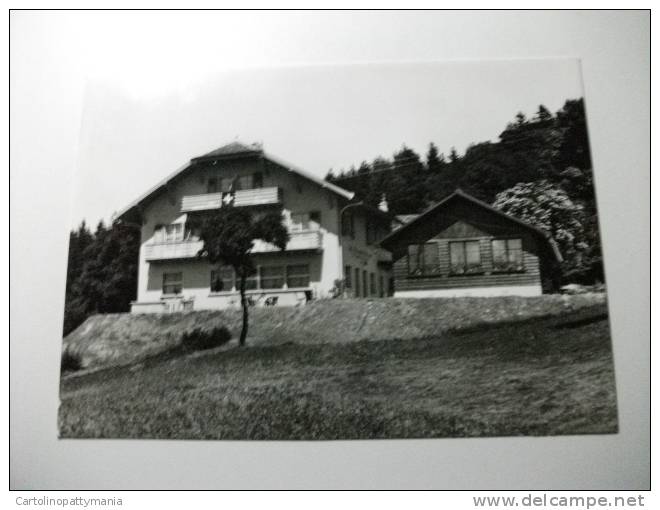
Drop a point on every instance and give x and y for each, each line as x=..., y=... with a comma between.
x=308, y=240
x=241, y=198
x=173, y=251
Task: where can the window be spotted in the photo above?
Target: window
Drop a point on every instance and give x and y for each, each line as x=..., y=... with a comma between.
x=423, y=259
x=365, y=289
x=222, y=279
x=251, y=282
x=415, y=260
x=375, y=231
x=244, y=182
x=357, y=282
x=272, y=277
x=372, y=284
x=507, y=255
x=303, y=221
x=299, y=222
x=347, y=277
x=381, y=286
x=371, y=232
x=192, y=233
x=234, y=183
x=227, y=184
x=172, y=233
x=172, y=283
x=465, y=257
x=348, y=225
x=297, y=276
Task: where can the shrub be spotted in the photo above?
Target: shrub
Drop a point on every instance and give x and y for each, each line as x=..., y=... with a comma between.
x=199, y=339
x=71, y=362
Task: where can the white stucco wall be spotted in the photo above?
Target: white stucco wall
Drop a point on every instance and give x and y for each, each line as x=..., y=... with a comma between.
x=357, y=254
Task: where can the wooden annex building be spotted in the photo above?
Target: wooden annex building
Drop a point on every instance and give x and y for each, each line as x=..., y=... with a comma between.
x=464, y=247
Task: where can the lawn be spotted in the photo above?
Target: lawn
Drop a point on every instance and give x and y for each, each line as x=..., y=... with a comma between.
x=538, y=377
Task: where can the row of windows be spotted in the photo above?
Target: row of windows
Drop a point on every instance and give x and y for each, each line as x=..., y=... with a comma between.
x=363, y=283
x=465, y=257
x=266, y=277
x=374, y=231
x=300, y=221
x=236, y=183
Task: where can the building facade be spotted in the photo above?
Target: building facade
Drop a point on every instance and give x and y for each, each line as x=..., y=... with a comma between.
x=333, y=247
x=464, y=247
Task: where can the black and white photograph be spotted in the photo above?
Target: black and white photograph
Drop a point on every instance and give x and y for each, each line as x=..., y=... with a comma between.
x=329, y=250
x=364, y=251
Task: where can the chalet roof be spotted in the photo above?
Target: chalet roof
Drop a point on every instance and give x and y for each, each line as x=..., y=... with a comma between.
x=229, y=151
x=460, y=194
x=406, y=218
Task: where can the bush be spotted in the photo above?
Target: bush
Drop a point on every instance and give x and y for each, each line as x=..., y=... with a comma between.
x=199, y=339
x=71, y=362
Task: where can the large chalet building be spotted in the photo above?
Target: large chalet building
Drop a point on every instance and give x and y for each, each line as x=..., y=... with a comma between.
x=333, y=247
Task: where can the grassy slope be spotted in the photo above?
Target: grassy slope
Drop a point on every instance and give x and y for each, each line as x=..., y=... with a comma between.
x=547, y=376
x=116, y=339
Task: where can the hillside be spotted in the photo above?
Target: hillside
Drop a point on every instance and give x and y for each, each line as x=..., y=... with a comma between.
x=538, y=377
x=115, y=339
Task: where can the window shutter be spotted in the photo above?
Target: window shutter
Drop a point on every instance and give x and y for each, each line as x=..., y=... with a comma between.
x=431, y=258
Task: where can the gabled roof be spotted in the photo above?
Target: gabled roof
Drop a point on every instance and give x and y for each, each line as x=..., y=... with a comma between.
x=304, y=173
x=478, y=203
x=406, y=218
x=229, y=151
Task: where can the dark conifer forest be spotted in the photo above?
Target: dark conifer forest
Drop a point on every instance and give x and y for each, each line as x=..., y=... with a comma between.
x=539, y=171
x=101, y=272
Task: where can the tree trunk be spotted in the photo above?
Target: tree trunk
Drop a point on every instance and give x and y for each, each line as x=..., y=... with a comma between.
x=244, y=304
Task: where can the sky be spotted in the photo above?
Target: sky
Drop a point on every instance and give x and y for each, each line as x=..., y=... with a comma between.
x=193, y=81
x=316, y=117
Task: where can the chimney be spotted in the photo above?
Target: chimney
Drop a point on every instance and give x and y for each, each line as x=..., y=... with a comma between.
x=383, y=204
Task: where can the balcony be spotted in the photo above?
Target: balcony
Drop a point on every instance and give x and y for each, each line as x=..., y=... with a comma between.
x=242, y=198
x=308, y=240
x=172, y=251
